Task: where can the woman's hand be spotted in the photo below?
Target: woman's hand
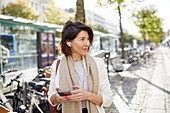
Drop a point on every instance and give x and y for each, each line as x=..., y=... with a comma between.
x=79, y=94
x=56, y=98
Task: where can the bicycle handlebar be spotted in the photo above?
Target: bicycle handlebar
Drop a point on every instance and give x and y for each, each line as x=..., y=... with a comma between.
x=15, y=79
x=18, y=76
x=9, y=84
x=8, y=71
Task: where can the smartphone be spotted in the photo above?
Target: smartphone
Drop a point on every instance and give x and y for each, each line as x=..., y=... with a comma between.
x=63, y=93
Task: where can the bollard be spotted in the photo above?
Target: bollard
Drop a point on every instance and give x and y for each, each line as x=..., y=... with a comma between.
x=107, y=56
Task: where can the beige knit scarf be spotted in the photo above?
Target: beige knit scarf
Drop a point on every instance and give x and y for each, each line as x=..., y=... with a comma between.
x=69, y=79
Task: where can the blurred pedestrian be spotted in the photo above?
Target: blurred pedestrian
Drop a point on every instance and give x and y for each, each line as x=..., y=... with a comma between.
x=56, y=51
x=85, y=76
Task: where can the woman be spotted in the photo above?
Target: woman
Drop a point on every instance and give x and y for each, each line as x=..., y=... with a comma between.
x=79, y=71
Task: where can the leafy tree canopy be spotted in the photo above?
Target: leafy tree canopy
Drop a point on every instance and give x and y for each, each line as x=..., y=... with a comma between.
x=149, y=23
x=55, y=15
x=21, y=8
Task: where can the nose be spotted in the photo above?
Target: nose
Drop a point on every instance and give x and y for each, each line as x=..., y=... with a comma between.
x=87, y=43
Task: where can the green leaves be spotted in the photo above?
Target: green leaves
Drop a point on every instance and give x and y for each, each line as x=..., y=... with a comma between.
x=110, y=1
x=20, y=9
x=99, y=3
x=55, y=15
x=149, y=23
x=120, y=4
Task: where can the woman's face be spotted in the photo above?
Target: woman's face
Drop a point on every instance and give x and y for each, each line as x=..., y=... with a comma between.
x=80, y=45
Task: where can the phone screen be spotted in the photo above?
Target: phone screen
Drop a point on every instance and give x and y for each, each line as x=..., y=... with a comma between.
x=63, y=93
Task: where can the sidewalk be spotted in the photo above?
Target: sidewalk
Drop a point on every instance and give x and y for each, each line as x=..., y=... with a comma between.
x=144, y=88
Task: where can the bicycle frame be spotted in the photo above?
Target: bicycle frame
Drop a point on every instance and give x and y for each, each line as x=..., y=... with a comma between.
x=5, y=101
x=33, y=101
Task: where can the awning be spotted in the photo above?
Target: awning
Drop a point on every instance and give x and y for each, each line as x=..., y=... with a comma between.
x=17, y=22
x=106, y=35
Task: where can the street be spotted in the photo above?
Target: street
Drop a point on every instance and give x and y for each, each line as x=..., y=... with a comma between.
x=144, y=88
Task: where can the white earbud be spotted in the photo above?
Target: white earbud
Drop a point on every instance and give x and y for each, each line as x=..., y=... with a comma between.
x=69, y=44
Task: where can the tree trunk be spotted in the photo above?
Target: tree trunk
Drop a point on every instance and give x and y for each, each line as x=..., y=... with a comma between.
x=150, y=37
x=80, y=13
x=144, y=39
x=121, y=32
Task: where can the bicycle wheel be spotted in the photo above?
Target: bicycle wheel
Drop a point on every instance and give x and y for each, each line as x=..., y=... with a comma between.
x=44, y=107
x=14, y=102
x=10, y=99
x=133, y=60
x=147, y=55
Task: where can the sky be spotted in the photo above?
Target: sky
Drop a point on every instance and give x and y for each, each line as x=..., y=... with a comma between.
x=162, y=6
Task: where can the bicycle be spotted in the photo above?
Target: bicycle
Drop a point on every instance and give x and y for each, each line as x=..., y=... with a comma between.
x=39, y=102
x=4, y=102
x=2, y=76
x=41, y=74
x=19, y=100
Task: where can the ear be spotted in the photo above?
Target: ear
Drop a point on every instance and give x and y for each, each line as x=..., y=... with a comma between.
x=68, y=43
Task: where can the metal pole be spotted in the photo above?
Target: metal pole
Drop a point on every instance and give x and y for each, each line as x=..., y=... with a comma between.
x=108, y=66
x=1, y=59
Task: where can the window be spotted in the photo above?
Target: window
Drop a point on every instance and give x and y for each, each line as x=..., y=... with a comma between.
x=36, y=6
x=8, y=41
x=32, y=4
x=43, y=8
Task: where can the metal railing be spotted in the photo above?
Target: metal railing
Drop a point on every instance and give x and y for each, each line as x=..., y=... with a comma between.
x=19, y=62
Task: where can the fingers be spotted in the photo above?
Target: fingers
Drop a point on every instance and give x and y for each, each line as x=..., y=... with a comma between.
x=61, y=99
x=57, y=89
x=78, y=89
x=77, y=86
x=76, y=97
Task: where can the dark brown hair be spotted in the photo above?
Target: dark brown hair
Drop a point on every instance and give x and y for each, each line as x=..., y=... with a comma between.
x=69, y=33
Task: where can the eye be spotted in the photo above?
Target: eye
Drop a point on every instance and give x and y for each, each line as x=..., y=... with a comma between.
x=81, y=38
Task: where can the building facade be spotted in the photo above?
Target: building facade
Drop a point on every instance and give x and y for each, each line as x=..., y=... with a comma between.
x=96, y=20
x=38, y=5
x=166, y=38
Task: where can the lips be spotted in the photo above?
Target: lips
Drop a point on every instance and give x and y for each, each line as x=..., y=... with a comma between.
x=85, y=49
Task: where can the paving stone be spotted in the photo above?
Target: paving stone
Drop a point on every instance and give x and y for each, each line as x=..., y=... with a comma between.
x=144, y=88
x=154, y=111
